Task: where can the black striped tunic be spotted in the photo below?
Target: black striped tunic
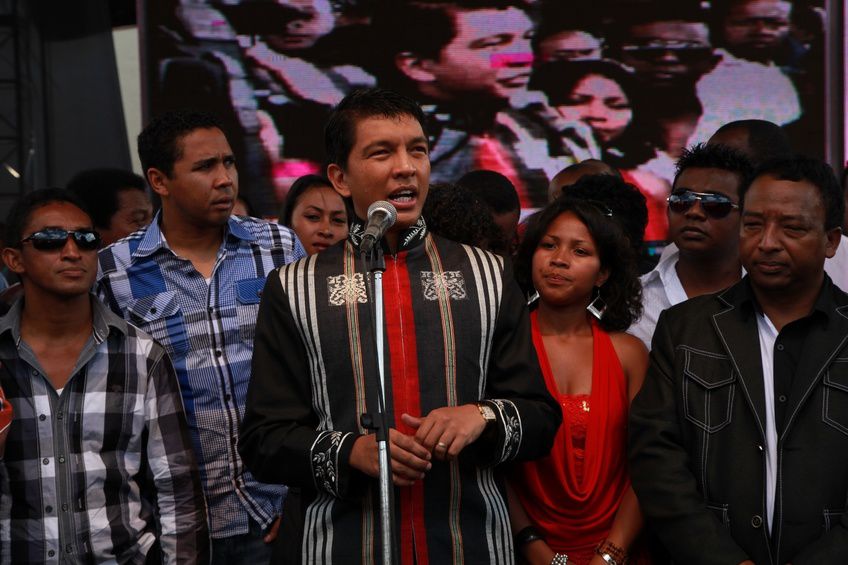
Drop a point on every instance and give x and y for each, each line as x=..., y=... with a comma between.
x=457, y=332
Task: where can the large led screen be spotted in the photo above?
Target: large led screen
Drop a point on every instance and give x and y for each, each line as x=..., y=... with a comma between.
x=524, y=88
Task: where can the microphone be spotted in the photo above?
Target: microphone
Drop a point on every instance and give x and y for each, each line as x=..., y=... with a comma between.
x=381, y=216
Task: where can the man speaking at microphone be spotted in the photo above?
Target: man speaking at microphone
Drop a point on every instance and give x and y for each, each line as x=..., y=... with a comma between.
x=464, y=392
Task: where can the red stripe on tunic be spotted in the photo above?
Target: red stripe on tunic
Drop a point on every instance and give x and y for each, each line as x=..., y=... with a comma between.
x=403, y=360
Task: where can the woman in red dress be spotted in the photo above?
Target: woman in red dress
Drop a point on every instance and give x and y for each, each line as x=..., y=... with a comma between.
x=578, y=501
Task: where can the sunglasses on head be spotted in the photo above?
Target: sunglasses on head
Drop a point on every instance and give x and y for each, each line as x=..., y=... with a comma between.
x=52, y=239
x=714, y=205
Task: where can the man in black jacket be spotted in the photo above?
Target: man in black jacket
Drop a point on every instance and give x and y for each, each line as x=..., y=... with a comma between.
x=739, y=437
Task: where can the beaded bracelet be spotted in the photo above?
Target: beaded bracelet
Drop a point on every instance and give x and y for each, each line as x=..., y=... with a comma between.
x=559, y=559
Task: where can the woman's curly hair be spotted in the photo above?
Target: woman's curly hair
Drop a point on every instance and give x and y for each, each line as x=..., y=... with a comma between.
x=622, y=291
x=456, y=213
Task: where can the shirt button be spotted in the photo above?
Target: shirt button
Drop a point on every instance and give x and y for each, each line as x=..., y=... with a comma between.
x=227, y=397
x=60, y=415
x=46, y=461
x=69, y=548
x=64, y=508
x=782, y=398
x=153, y=310
x=61, y=459
x=757, y=521
x=218, y=353
x=760, y=447
x=211, y=309
x=34, y=373
x=48, y=509
x=780, y=347
x=42, y=417
x=51, y=553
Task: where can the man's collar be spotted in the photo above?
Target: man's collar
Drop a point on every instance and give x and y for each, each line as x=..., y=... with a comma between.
x=741, y=296
x=154, y=239
x=407, y=239
x=102, y=320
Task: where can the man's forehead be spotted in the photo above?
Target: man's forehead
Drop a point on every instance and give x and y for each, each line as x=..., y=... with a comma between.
x=57, y=214
x=767, y=189
x=201, y=140
x=671, y=30
x=762, y=8
x=483, y=22
x=379, y=129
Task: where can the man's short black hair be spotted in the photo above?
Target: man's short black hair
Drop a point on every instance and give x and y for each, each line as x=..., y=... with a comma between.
x=814, y=171
x=494, y=189
x=158, y=143
x=99, y=188
x=766, y=140
x=22, y=209
x=704, y=156
x=361, y=104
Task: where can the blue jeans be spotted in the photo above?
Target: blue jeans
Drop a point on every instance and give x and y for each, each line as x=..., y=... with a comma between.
x=244, y=549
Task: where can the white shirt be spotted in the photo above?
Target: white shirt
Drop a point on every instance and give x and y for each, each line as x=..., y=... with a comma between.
x=837, y=266
x=661, y=289
x=768, y=335
x=768, y=95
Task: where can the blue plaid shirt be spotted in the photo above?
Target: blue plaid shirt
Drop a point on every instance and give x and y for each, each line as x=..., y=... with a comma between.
x=208, y=330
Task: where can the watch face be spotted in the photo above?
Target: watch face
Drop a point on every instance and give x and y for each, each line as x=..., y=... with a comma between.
x=487, y=412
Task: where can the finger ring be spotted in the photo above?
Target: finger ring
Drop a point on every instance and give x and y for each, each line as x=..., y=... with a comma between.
x=442, y=445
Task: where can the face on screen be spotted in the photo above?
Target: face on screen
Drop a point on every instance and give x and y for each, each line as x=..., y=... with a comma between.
x=601, y=104
x=570, y=45
x=490, y=55
x=668, y=52
x=754, y=29
x=310, y=20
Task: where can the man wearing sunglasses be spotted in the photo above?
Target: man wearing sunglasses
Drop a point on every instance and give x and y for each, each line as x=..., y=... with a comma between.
x=703, y=224
x=193, y=279
x=739, y=435
x=98, y=462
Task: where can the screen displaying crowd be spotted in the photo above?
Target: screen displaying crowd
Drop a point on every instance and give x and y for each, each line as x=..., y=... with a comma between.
x=523, y=88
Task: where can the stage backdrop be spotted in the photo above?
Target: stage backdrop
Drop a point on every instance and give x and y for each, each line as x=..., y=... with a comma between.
x=525, y=88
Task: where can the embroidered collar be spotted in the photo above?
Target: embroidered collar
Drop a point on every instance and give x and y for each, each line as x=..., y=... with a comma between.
x=408, y=238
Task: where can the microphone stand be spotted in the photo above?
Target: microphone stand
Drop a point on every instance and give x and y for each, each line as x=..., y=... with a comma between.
x=375, y=264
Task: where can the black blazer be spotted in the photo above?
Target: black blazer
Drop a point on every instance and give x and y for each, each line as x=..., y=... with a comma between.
x=697, y=437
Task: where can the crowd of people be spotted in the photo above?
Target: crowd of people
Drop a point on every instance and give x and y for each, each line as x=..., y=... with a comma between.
x=186, y=383
x=521, y=87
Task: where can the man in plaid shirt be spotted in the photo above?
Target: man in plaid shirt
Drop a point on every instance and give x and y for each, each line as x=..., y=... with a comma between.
x=192, y=279
x=98, y=464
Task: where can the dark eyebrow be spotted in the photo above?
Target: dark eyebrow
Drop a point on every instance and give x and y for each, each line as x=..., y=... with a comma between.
x=205, y=162
x=420, y=139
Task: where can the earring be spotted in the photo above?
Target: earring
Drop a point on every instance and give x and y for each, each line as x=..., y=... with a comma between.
x=598, y=305
x=533, y=297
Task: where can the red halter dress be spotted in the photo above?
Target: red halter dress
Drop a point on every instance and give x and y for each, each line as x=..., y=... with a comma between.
x=573, y=494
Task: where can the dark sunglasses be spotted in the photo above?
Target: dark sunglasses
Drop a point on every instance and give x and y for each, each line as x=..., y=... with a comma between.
x=53, y=239
x=714, y=205
x=682, y=53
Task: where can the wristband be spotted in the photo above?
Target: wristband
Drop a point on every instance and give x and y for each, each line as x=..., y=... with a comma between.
x=526, y=535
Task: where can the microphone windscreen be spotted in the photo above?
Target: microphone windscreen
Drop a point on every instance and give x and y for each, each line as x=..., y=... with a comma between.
x=387, y=207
